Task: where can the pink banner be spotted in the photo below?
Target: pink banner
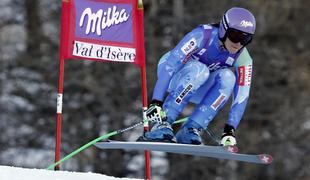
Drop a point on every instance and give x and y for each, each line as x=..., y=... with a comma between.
x=101, y=30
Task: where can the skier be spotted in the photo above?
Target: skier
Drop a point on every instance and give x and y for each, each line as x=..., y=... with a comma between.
x=199, y=70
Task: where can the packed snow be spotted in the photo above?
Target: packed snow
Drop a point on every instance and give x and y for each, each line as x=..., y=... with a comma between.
x=15, y=173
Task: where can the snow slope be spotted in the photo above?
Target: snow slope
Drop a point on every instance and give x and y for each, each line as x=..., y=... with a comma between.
x=14, y=173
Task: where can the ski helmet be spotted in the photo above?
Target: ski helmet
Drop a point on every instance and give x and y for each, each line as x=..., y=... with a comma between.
x=238, y=24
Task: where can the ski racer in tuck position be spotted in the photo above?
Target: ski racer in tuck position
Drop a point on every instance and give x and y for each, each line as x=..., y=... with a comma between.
x=199, y=70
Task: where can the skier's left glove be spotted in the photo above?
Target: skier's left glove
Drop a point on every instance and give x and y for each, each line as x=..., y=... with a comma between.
x=228, y=137
x=155, y=112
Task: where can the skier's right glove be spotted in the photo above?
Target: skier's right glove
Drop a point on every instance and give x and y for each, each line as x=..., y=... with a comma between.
x=155, y=112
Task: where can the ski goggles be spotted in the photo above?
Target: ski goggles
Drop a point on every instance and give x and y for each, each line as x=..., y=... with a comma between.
x=237, y=36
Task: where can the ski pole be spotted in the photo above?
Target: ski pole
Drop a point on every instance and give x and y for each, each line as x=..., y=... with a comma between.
x=106, y=136
x=180, y=120
x=213, y=136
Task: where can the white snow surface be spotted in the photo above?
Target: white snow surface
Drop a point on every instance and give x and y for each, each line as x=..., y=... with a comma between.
x=16, y=173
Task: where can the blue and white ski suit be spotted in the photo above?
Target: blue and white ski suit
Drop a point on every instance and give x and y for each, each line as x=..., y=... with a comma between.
x=198, y=70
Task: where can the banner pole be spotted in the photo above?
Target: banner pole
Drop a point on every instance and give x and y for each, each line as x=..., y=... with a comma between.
x=64, y=30
x=146, y=125
x=59, y=111
x=141, y=55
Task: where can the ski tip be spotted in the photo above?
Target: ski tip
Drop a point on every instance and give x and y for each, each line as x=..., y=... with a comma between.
x=266, y=158
x=232, y=149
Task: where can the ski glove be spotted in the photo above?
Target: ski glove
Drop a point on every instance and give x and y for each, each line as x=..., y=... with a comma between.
x=155, y=113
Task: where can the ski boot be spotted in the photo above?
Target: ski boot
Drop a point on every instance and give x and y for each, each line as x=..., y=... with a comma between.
x=189, y=134
x=160, y=132
x=228, y=136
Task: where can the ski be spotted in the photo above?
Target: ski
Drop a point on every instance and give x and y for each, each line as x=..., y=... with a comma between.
x=219, y=152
